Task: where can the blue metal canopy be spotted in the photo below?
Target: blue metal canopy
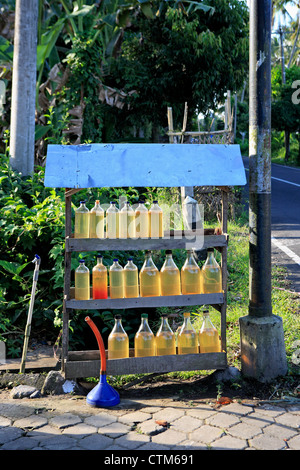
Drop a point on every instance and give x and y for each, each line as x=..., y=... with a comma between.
x=156, y=165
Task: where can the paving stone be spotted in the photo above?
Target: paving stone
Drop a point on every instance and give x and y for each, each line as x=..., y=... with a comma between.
x=15, y=410
x=238, y=409
x=186, y=424
x=289, y=419
x=115, y=447
x=65, y=420
x=267, y=442
x=150, y=427
x=100, y=420
x=201, y=412
x=80, y=430
x=191, y=445
x=168, y=414
x=153, y=446
x=135, y=417
x=294, y=442
x=60, y=443
x=9, y=434
x=282, y=432
x=22, y=443
x=132, y=440
x=244, y=430
x=114, y=430
x=206, y=434
x=151, y=409
x=271, y=410
x=169, y=438
x=44, y=433
x=229, y=443
x=257, y=419
x=4, y=422
x=223, y=420
x=95, y=442
x=31, y=422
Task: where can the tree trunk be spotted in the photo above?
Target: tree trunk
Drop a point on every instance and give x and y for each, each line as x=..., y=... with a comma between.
x=22, y=126
x=287, y=145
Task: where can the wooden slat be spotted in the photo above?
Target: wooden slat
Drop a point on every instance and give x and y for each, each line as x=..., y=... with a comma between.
x=145, y=302
x=185, y=242
x=145, y=365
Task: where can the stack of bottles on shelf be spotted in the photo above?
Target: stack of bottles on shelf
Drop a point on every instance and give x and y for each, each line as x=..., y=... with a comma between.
x=164, y=342
x=127, y=282
x=123, y=223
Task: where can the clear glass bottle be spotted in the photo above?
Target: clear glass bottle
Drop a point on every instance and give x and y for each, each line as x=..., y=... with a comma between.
x=142, y=221
x=155, y=221
x=149, y=278
x=97, y=221
x=131, y=280
x=127, y=222
x=144, y=340
x=165, y=341
x=99, y=279
x=112, y=221
x=118, y=342
x=116, y=280
x=170, y=276
x=208, y=336
x=211, y=276
x=82, y=221
x=82, y=281
x=190, y=275
x=187, y=340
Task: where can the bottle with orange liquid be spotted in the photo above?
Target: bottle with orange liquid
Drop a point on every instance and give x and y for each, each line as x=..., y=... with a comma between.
x=190, y=275
x=118, y=342
x=187, y=340
x=116, y=280
x=155, y=221
x=82, y=221
x=127, y=222
x=142, y=221
x=165, y=340
x=131, y=280
x=211, y=276
x=149, y=278
x=99, y=279
x=112, y=221
x=208, y=336
x=97, y=221
x=170, y=276
x=144, y=340
x=82, y=282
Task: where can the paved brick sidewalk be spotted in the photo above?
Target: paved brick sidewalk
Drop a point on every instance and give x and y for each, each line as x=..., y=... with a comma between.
x=68, y=423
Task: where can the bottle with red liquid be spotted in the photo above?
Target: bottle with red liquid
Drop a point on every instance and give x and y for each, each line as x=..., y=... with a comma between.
x=99, y=279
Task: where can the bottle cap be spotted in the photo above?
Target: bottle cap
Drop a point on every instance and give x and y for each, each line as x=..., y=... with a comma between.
x=130, y=259
x=81, y=261
x=148, y=252
x=164, y=315
x=99, y=255
x=112, y=202
x=144, y=315
x=168, y=252
x=186, y=314
x=115, y=259
x=118, y=316
x=210, y=249
x=82, y=202
x=155, y=202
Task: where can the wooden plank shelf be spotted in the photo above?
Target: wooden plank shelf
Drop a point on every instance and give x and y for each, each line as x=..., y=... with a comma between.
x=77, y=365
x=177, y=241
x=144, y=302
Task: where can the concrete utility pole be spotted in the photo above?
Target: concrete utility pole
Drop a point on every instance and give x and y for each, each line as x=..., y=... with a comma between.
x=262, y=342
x=22, y=125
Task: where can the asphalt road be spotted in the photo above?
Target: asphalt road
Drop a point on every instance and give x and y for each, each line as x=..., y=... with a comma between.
x=285, y=219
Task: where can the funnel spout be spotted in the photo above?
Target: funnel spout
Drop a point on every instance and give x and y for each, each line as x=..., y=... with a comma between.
x=100, y=343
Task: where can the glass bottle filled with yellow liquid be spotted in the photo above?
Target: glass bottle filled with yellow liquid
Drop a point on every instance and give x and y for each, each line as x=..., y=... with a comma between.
x=97, y=221
x=165, y=341
x=141, y=221
x=99, y=279
x=170, y=276
x=82, y=281
x=82, y=221
x=118, y=342
x=116, y=280
x=211, y=276
x=187, y=340
x=155, y=221
x=149, y=278
x=131, y=280
x=144, y=340
x=112, y=221
x=208, y=336
x=127, y=222
x=190, y=275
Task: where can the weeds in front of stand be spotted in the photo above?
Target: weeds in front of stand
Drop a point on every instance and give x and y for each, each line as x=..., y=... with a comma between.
x=286, y=304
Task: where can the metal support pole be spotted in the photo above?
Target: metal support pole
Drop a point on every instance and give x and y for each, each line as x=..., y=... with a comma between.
x=262, y=341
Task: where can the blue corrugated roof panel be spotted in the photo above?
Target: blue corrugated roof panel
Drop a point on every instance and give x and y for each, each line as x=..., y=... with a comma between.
x=156, y=165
